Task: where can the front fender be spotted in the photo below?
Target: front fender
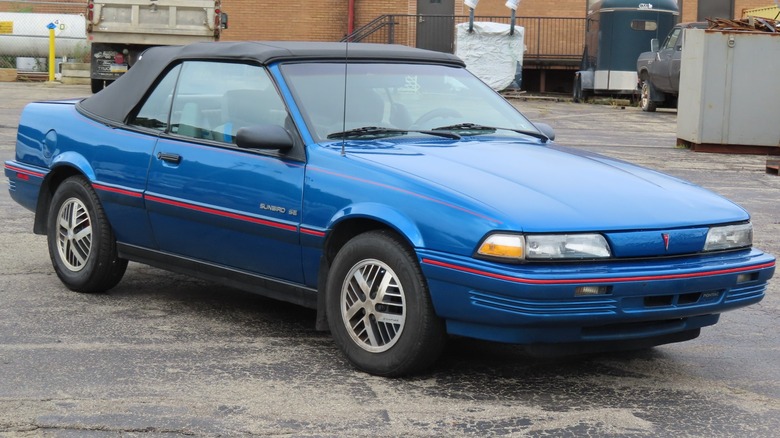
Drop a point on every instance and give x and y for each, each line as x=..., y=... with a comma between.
x=382, y=213
x=643, y=74
x=360, y=212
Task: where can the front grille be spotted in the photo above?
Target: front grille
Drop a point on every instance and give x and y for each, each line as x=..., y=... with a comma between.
x=601, y=306
x=738, y=294
x=611, y=305
x=679, y=300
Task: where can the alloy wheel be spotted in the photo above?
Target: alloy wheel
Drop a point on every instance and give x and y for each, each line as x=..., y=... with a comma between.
x=373, y=306
x=74, y=234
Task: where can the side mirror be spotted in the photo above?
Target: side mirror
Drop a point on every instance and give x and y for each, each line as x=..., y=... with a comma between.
x=546, y=129
x=264, y=137
x=223, y=20
x=654, y=45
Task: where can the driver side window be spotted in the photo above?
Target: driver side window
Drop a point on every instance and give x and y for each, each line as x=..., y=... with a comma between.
x=671, y=41
x=214, y=100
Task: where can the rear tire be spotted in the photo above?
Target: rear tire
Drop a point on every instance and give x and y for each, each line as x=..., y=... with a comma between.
x=379, y=309
x=82, y=246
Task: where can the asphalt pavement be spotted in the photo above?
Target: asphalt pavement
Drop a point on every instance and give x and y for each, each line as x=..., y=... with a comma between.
x=166, y=355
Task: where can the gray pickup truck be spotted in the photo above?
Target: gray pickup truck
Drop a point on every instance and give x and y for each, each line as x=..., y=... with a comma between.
x=659, y=69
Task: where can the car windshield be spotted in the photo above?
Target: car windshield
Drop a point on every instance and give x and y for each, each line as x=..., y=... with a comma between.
x=394, y=99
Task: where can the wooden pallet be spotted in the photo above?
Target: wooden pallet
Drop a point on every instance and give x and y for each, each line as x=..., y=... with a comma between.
x=773, y=166
x=7, y=74
x=717, y=148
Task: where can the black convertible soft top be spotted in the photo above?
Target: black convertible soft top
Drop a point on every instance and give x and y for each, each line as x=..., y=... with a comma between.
x=114, y=103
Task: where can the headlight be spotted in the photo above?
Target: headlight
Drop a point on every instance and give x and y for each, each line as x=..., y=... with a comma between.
x=545, y=246
x=566, y=246
x=729, y=237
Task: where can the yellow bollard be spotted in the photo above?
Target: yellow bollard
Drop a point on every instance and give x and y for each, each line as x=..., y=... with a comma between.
x=51, y=27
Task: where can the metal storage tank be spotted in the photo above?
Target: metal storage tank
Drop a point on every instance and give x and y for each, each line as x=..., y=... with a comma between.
x=26, y=34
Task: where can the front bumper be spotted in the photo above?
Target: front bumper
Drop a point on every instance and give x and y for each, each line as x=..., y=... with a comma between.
x=536, y=303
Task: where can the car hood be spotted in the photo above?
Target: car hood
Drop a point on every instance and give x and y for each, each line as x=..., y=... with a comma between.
x=543, y=188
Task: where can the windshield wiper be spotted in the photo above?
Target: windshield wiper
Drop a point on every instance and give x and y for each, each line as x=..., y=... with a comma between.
x=473, y=127
x=376, y=131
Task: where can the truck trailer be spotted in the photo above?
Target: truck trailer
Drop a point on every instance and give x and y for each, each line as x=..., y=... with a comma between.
x=120, y=30
x=616, y=32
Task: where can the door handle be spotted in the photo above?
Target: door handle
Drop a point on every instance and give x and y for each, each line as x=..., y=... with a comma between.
x=170, y=158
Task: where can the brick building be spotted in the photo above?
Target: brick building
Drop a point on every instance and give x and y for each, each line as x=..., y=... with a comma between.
x=548, y=68
x=554, y=30
x=328, y=20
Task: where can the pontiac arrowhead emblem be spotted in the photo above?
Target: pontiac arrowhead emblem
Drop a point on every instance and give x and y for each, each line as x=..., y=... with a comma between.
x=666, y=240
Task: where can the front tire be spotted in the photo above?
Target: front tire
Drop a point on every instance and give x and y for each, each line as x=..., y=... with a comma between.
x=647, y=104
x=379, y=309
x=82, y=246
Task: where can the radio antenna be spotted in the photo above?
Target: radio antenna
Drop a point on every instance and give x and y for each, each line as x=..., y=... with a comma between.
x=344, y=113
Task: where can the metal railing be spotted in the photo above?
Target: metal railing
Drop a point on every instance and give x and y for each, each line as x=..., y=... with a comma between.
x=374, y=27
x=549, y=40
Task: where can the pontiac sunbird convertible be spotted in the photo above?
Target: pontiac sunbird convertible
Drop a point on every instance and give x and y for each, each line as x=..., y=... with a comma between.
x=386, y=187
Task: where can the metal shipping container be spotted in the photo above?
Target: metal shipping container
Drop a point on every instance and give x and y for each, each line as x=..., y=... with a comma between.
x=729, y=90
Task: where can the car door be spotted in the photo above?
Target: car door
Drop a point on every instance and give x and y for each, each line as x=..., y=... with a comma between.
x=211, y=201
x=676, y=63
x=661, y=68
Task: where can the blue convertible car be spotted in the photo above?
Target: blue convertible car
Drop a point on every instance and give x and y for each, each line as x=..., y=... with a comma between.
x=384, y=186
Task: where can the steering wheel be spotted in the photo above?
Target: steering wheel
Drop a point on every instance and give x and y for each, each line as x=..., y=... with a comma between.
x=436, y=113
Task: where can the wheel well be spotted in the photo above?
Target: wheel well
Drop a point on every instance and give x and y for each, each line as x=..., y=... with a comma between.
x=48, y=187
x=643, y=75
x=348, y=229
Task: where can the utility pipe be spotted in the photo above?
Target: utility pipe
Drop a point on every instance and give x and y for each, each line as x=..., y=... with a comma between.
x=351, y=17
x=472, y=4
x=512, y=4
x=512, y=26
